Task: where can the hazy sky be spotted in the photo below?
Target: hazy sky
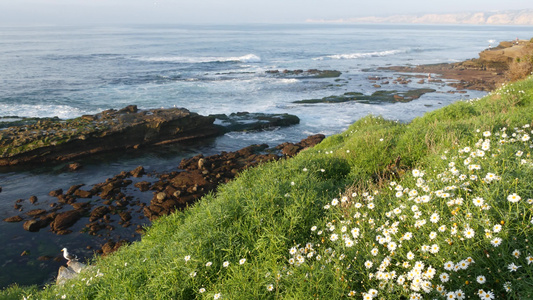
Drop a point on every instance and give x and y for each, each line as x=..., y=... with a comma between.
x=29, y=12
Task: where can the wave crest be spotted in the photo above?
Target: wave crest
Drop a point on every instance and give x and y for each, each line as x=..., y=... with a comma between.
x=248, y=58
x=361, y=54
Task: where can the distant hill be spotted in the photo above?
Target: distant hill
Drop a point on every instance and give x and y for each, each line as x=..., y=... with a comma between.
x=515, y=17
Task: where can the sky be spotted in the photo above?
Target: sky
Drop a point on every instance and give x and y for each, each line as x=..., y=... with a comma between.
x=78, y=12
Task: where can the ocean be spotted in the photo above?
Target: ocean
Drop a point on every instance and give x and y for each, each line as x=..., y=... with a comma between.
x=71, y=71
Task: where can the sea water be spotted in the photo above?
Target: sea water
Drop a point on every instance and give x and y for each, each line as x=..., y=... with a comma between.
x=71, y=71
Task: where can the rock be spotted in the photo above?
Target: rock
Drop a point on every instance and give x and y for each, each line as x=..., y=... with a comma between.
x=83, y=194
x=35, y=212
x=124, y=216
x=33, y=199
x=137, y=172
x=80, y=205
x=13, y=219
x=98, y=213
x=64, y=274
x=66, y=219
x=74, y=188
x=34, y=225
x=72, y=167
x=0, y=189
x=109, y=130
x=245, y=121
x=143, y=185
x=56, y=193
x=44, y=258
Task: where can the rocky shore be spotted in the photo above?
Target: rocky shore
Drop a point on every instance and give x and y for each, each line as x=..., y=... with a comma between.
x=30, y=141
x=112, y=203
x=493, y=67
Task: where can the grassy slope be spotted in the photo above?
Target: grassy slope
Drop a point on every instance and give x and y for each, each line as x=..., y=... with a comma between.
x=269, y=209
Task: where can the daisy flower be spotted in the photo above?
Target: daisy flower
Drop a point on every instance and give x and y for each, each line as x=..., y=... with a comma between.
x=448, y=266
x=444, y=277
x=496, y=242
x=513, y=198
x=529, y=259
x=516, y=253
x=512, y=267
x=481, y=279
x=469, y=233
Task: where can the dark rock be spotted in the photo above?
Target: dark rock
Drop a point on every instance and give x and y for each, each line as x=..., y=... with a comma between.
x=35, y=212
x=245, y=121
x=72, y=167
x=56, y=193
x=143, y=185
x=33, y=199
x=44, y=258
x=66, y=219
x=83, y=194
x=124, y=216
x=17, y=206
x=137, y=172
x=34, y=225
x=13, y=219
x=111, y=246
x=74, y=188
x=79, y=205
x=107, y=131
x=98, y=213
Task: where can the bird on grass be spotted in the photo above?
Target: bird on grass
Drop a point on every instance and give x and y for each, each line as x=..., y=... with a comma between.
x=68, y=256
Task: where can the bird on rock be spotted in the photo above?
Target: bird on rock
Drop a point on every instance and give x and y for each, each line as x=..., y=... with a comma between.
x=67, y=255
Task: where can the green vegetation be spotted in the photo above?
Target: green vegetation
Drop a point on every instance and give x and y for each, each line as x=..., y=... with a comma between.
x=438, y=208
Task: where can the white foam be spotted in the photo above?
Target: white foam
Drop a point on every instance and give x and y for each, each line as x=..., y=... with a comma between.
x=42, y=111
x=361, y=55
x=248, y=58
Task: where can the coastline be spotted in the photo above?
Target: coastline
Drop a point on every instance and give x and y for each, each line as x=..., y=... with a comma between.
x=155, y=196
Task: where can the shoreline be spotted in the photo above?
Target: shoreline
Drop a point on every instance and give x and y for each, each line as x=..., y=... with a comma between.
x=117, y=179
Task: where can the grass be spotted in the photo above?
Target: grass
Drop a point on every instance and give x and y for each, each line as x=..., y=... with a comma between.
x=383, y=210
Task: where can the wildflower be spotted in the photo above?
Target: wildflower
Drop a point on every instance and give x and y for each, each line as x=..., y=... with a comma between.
x=450, y=295
x=434, y=249
x=242, y=261
x=481, y=279
x=416, y=173
x=217, y=296
x=225, y=264
x=460, y=294
x=410, y=255
x=368, y=264
x=334, y=237
x=497, y=228
x=208, y=264
x=270, y=287
x=370, y=205
x=432, y=235
x=478, y=201
x=353, y=293
x=187, y=258
x=488, y=295
x=192, y=274
x=512, y=267
x=391, y=246
x=201, y=291
x=507, y=286
x=434, y=218
x=334, y=202
x=448, y=266
x=529, y=259
x=486, y=133
x=513, y=198
x=313, y=228
x=444, y=277
x=374, y=251
x=469, y=233
x=516, y=253
x=496, y=242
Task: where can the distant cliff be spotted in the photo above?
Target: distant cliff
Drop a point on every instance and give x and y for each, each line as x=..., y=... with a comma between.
x=515, y=17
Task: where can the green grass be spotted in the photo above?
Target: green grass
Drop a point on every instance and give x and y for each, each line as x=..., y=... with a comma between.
x=279, y=227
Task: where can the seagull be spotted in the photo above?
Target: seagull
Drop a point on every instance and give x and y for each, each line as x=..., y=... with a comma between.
x=68, y=256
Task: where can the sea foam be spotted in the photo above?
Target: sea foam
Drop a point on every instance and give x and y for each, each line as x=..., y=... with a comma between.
x=248, y=58
x=361, y=55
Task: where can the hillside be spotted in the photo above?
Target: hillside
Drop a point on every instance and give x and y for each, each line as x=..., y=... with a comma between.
x=439, y=207
x=519, y=17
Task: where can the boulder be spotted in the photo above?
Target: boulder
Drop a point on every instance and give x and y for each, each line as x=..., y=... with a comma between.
x=13, y=219
x=66, y=219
